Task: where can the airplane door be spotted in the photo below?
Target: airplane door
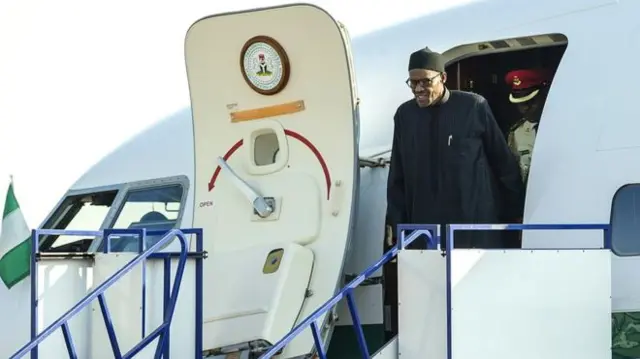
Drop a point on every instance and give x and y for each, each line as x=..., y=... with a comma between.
x=274, y=119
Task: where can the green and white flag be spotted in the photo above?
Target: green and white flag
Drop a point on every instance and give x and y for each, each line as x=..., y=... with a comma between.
x=15, y=243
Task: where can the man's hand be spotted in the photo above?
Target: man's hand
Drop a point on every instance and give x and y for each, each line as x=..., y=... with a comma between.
x=389, y=239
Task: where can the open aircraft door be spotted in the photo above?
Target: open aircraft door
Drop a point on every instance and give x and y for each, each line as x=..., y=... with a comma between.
x=275, y=125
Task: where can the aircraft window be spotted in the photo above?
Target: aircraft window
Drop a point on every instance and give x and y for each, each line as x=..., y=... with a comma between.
x=625, y=221
x=80, y=212
x=265, y=149
x=155, y=208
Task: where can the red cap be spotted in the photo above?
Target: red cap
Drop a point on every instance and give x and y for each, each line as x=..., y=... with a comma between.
x=525, y=84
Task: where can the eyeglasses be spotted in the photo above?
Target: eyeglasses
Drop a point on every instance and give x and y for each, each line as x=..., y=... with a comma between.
x=423, y=82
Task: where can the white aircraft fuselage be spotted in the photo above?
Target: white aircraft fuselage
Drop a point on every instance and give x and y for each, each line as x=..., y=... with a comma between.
x=585, y=147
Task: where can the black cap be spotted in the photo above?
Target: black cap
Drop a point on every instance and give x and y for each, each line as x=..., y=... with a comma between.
x=425, y=59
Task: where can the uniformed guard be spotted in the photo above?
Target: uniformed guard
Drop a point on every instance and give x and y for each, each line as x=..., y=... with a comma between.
x=528, y=87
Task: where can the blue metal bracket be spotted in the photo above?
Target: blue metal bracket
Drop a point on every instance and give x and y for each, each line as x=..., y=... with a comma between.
x=162, y=331
x=430, y=231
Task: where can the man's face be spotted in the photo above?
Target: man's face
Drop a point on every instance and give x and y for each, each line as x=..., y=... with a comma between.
x=530, y=108
x=427, y=86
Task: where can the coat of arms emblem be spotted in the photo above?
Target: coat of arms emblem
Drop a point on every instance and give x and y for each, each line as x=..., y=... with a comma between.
x=265, y=65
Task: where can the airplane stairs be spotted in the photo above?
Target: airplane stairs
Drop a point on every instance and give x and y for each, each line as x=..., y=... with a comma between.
x=432, y=282
x=155, y=278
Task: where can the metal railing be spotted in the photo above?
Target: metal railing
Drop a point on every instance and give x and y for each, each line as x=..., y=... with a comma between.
x=162, y=331
x=347, y=292
x=432, y=234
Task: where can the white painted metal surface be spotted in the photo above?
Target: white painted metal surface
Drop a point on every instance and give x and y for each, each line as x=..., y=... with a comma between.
x=422, y=311
x=388, y=351
x=369, y=302
x=248, y=304
x=124, y=300
x=556, y=304
x=163, y=150
x=61, y=284
x=183, y=327
x=312, y=176
x=538, y=304
x=366, y=246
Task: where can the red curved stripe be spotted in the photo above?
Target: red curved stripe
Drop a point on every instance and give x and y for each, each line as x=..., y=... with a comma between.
x=297, y=136
x=315, y=151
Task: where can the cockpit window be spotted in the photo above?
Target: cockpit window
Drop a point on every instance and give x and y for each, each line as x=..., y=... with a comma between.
x=154, y=208
x=80, y=212
x=158, y=206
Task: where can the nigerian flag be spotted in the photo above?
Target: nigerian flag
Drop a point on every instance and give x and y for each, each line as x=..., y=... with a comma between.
x=15, y=243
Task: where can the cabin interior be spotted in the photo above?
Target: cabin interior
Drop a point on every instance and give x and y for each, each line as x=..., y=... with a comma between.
x=482, y=67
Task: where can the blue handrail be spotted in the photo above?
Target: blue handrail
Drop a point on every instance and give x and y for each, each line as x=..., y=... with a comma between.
x=432, y=234
x=347, y=292
x=163, y=329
